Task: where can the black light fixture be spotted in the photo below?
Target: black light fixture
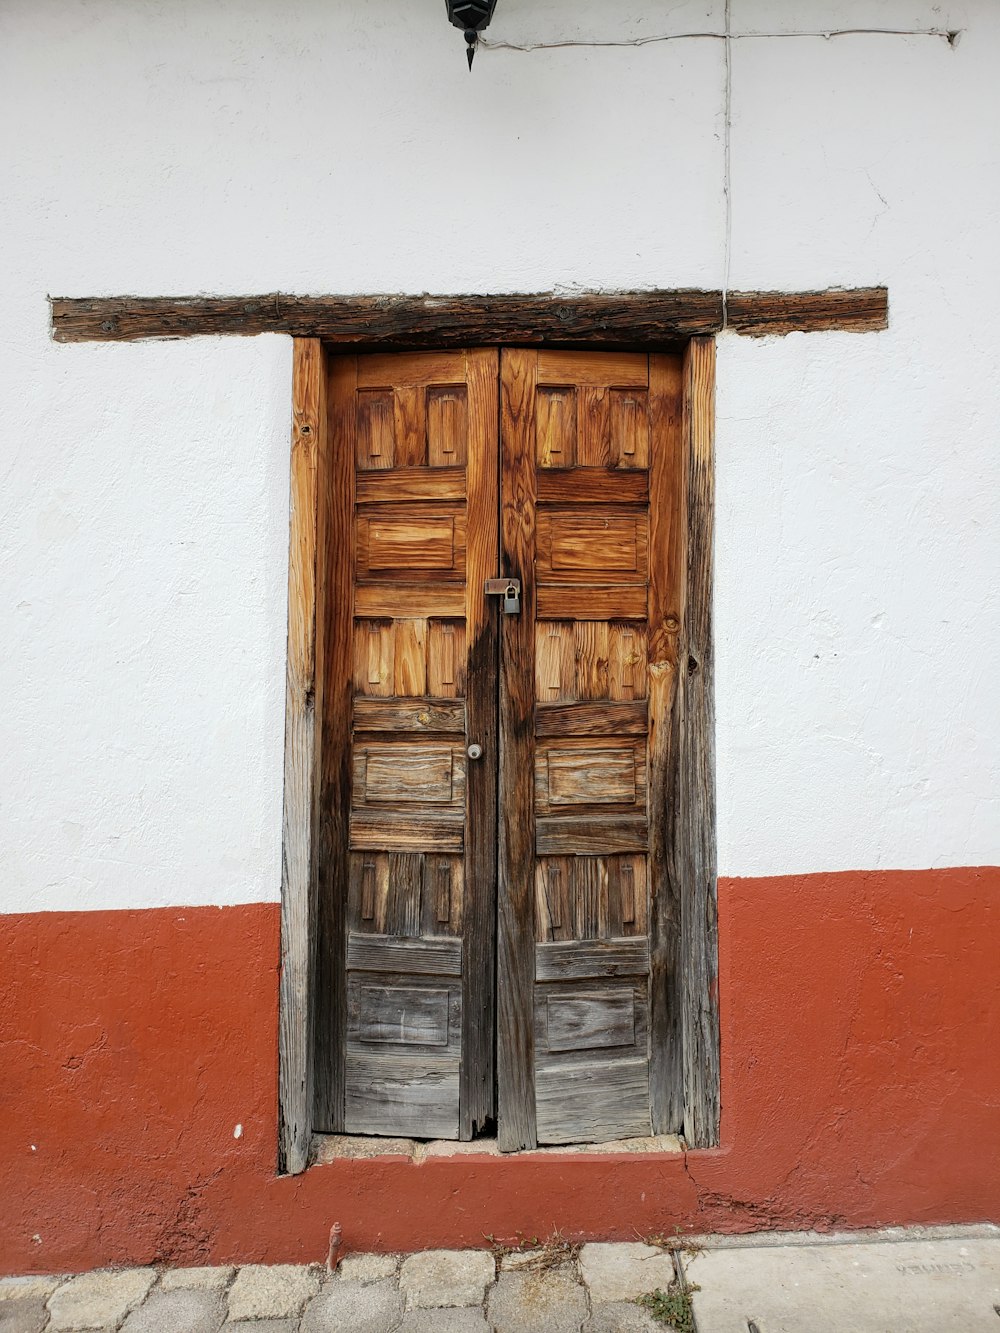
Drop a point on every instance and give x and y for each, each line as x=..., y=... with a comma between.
x=472, y=16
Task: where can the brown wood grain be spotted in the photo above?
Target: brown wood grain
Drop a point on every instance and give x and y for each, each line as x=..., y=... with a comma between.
x=442, y=483
x=591, y=485
x=516, y=928
x=426, y=715
x=299, y=834
x=608, y=602
x=478, y=1080
x=695, y=840
x=590, y=835
x=621, y=319
x=623, y=718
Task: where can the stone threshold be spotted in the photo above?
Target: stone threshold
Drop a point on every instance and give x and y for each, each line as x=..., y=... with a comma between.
x=326, y=1148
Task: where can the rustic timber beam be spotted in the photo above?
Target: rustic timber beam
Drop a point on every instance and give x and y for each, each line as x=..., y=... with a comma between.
x=618, y=319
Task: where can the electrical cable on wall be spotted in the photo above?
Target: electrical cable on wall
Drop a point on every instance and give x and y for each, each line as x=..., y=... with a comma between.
x=951, y=35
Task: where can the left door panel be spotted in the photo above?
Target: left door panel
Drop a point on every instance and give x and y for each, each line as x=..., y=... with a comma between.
x=405, y=1024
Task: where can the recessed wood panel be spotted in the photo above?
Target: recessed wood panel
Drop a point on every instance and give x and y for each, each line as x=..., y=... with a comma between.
x=628, y=425
x=375, y=439
x=404, y=774
x=402, y=541
x=447, y=425
x=555, y=427
x=591, y=777
x=405, y=1015
x=412, y=542
x=576, y=547
x=590, y=772
x=590, y=1020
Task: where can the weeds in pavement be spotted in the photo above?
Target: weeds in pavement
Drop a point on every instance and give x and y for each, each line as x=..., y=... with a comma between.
x=539, y=1255
x=673, y=1306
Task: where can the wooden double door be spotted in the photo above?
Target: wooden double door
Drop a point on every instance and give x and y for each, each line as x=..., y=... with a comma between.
x=498, y=923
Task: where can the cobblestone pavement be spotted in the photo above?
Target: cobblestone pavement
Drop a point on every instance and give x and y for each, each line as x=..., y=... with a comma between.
x=889, y=1282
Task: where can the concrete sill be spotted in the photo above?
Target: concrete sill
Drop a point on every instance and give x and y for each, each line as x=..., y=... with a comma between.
x=326, y=1148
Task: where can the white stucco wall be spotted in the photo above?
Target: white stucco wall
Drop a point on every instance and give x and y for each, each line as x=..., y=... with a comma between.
x=325, y=146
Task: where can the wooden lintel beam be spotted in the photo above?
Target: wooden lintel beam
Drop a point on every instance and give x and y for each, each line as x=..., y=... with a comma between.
x=618, y=319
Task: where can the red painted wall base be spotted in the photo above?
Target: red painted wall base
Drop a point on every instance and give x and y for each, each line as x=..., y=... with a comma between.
x=861, y=1086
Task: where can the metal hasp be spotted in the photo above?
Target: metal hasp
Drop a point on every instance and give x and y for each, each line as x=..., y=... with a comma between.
x=509, y=590
x=473, y=17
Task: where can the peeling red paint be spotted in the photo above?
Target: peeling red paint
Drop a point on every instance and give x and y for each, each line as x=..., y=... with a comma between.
x=860, y=1087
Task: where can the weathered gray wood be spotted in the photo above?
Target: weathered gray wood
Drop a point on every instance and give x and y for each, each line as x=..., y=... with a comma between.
x=298, y=842
x=420, y=715
x=696, y=813
x=333, y=703
x=375, y=953
x=668, y=536
x=589, y=1021
x=572, y=960
x=590, y=835
x=592, y=1102
x=399, y=1096
x=619, y=319
x=400, y=1014
x=516, y=924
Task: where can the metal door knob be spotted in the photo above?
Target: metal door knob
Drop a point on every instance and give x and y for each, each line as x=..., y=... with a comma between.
x=475, y=751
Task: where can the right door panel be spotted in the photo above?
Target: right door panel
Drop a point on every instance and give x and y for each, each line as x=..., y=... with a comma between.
x=591, y=500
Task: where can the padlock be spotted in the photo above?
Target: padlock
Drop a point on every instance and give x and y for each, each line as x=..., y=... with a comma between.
x=509, y=590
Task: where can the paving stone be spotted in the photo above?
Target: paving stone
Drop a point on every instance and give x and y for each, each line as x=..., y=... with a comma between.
x=469, y=1319
x=940, y=1286
x=622, y=1272
x=261, y=1326
x=367, y=1268
x=24, y=1288
x=100, y=1299
x=446, y=1277
x=186, y=1310
x=25, y=1316
x=214, y=1279
x=272, y=1292
x=622, y=1317
x=374, y=1307
x=547, y=1302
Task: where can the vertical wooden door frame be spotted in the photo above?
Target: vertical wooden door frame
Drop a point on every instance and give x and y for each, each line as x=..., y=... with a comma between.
x=689, y=965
